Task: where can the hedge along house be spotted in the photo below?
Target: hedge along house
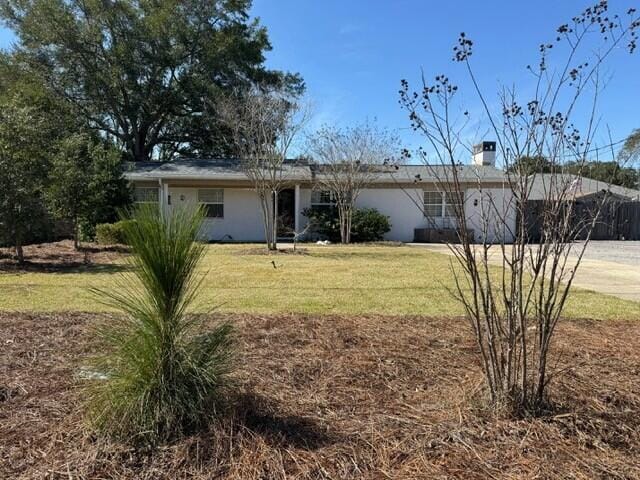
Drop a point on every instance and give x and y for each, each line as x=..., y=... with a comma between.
x=408, y=194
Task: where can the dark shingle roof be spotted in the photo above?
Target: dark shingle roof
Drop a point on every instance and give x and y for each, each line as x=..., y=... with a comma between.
x=230, y=169
x=296, y=170
x=544, y=184
x=205, y=169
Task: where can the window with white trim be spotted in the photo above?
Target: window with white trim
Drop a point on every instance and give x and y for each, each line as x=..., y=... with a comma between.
x=453, y=203
x=439, y=204
x=212, y=199
x=433, y=201
x=322, y=198
x=144, y=195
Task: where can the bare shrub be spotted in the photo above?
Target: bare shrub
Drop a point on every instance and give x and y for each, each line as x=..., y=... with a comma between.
x=264, y=126
x=348, y=161
x=514, y=311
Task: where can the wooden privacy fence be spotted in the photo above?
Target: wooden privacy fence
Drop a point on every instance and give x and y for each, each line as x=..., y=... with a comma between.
x=617, y=220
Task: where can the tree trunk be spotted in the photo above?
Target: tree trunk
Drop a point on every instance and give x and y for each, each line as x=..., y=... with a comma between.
x=348, y=226
x=139, y=149
x=274, y=228
x=76, y=235
x=345, y=225
x=268, y=218
x=266, y=214
x=19, y=251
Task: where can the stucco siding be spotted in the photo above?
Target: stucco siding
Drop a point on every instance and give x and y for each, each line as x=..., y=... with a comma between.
x=491, y=214
x=305, y=202
x=398, y=205
x=242, y=220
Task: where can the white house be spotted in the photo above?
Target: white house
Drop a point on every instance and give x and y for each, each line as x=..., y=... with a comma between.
x=407, y=194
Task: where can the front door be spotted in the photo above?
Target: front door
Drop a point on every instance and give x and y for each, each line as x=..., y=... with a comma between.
x=286, y=213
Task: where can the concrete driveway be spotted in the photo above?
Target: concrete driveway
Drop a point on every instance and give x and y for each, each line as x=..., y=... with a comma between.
x=609, y=267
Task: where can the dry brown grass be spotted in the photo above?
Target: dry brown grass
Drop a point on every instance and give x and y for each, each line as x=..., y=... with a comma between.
x=335, y=397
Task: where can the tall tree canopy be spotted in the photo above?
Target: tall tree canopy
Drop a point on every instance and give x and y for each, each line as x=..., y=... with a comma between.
x=23, y=164
x=85, y=184
x=630, y=152
x=51, y=163
x=144, y=72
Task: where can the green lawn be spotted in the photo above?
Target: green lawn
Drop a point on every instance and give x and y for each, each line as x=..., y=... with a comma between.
x=391, y=280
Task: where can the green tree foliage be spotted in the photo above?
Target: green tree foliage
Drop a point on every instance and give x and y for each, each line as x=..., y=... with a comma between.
x=110, y=191
x=24, y=170
x=610, y=172
x=630, y=152
x=85, y=184
x=80, y=172
x=146, y=73
x=163, y=374
x=530, y=165
x=40, y=120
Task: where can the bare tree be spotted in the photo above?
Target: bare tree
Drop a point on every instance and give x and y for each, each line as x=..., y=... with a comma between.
x=347, y=161
x=296, y=234
x=264, y=126
x=514, y=311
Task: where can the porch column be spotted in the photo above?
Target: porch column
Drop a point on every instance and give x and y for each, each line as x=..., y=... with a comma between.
x=163, y=197
x=296, y=202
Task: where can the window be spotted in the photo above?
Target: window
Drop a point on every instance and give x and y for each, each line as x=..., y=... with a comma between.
x=454, y=203
x=145, y=195
x=213, y=201
x=433, y=202
x=322, y=198
x=442, y=204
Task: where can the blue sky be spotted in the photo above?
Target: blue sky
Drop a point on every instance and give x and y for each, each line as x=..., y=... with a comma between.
x=353, y=53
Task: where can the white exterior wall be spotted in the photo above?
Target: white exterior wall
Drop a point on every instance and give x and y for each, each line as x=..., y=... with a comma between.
x=403, y=207
x=400, y=206
x=305, y=202
x=485, y=210
x=242, y=220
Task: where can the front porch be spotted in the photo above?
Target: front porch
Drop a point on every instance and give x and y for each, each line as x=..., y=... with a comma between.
x=233, y=211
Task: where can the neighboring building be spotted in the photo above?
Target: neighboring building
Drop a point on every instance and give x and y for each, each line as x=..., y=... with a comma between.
x=618, y=217
x=406, y=194
x=544, y=184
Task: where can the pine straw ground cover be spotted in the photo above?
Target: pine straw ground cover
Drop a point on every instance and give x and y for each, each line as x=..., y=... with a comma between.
x=62, y=257
x=334, y=397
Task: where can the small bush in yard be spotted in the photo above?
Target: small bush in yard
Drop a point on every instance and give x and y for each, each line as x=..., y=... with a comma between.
x=324, y=222
x=162, y=375
x=112, y=233
x=367, y=224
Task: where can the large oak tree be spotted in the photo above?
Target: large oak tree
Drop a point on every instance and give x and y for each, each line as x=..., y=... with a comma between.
x=147, y=73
